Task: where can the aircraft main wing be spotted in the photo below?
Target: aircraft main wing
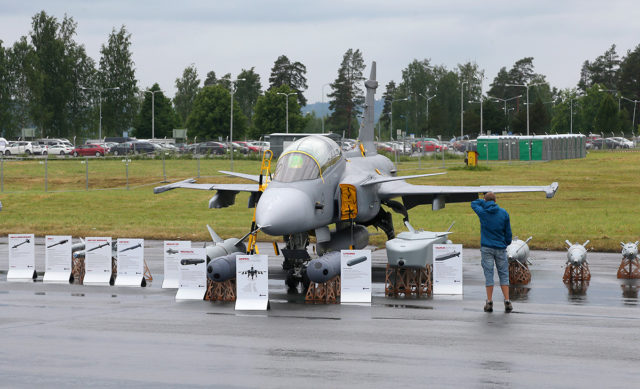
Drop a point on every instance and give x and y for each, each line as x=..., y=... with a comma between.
x=225, y=196
x=438, y=196
x=251, y=177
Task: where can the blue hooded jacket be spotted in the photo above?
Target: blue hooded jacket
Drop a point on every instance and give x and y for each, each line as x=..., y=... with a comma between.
x=495, y=227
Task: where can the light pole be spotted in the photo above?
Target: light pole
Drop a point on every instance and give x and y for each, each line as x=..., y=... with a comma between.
x=287, y=111
x=427, y=97
x=99, y=90
x=233, y=91
x=462, y=109
x=323, y=106
x=153, y=111
x=505, y=107
x=614, y=92
x=478, y=102
x=526, y=86
x=391, y=114
x=633, y=121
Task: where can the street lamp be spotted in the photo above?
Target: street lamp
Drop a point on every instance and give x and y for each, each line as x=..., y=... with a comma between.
x=478, y=102
x=153, y=111
x=322, y=117
x=233, y=90
x=633, y=121
x=615, y=92
x=427, y=97
x=391, y=114
x=462, y=109
x=526, y=86
x=99, y=90
x=505, y=106
x=287, y=111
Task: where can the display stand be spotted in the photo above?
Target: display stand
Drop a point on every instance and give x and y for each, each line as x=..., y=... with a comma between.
x=324, y=293
x=252, y=282
x=171, y=273
x=193, y=274
x=131, y=265
x=629, y=268
x=519, y=273
x=221, y=291
x=576, y=273
x=98, y=261
x=21, y=258
x=408, y=282
x=57, y=261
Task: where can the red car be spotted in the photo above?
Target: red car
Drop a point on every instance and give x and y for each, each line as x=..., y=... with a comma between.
x=428, y=146
x=87, y=150
x=252, y=148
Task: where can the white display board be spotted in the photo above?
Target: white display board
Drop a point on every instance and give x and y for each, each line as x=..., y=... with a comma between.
x=22, y=258
x=172, y=262
x=130, y=262
x=252, y=282
x=58, y=262
x=193, y=274
x=97, y=261
x=355, y=276
x=447, y=269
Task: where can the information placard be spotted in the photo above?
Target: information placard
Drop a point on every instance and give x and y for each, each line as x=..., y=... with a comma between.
x=252, y=282
x=97, y=261
x=172, y=262
x=355, y=276
x=130, y=262
x=22, y=259
x=58, y=262
x=193, y=274
x=447, y=269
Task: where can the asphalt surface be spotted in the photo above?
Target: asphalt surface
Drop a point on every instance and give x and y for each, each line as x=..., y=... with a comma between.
x=79, y=336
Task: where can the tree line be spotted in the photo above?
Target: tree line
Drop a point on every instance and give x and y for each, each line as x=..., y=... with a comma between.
x=47, y=81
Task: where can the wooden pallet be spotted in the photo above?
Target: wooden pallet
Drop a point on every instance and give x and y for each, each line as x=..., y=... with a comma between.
x=519, y=274
x=323, y=293
x=221, y=291
x=78, y=269
x=577, y=273
x=408, y=282
x=629, y=268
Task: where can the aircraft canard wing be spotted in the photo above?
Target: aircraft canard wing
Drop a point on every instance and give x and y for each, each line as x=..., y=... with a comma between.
x=190, y=184
x=413, y=195
x=381, y=179
x=251, y=177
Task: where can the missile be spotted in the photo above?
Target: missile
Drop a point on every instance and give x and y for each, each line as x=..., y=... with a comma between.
x=99, y=246
x=324, y=268
x=449, y=255
x=629, y=250
x=576, y=253
x=20, y=244
x=221, y=247
x=172, y=251
x=355, y=261
x=132, y=247
x=63, y=241
x=518, y=251
x=191, y=261
x=222, y=268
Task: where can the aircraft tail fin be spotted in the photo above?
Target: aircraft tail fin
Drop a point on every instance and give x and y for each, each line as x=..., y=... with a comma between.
x=366, y=135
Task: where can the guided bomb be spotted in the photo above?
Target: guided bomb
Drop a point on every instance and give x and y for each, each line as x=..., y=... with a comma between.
x=518, y=251
x=576, y=253
x=629, y=250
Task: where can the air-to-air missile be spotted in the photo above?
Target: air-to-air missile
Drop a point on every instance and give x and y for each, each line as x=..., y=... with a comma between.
x=191, y=261
x=518, y=251
x=449, y=255
x=630, y=250
x=63, y=241
x=20, y=244
x=132, y=247
x=355, y=261
x=576, y=253
x=222, y=256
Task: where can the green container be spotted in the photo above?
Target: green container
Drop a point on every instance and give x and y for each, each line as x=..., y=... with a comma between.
x=524, y=149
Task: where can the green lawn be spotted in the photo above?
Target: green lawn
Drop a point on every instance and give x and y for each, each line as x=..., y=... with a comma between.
x=597, y=200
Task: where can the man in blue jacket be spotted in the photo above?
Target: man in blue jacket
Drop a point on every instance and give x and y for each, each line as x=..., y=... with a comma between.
x=495, y=236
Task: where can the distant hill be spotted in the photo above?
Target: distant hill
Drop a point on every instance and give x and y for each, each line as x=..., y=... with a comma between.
x=323, y=109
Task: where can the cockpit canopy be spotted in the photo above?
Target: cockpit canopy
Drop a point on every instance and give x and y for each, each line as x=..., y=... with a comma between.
x=307, y=159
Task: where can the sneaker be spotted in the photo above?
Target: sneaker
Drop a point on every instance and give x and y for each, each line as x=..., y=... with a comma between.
x=507, y=306
x=488, y=306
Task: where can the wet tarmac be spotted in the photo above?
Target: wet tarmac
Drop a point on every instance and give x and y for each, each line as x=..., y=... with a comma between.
x=79, y=336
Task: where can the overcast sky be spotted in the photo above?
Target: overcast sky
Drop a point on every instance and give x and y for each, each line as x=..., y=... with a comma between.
x=227, y=36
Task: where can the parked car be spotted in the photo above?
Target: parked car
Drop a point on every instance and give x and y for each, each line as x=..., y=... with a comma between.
x=208, y=148
x=262, y=146
x=627, y=144
x=88, y=150
x=240, y=148
x=249, y=146
x=135, y=147
x=59, y=148
x=23, y=147
x=430, y=146
x=384, y=147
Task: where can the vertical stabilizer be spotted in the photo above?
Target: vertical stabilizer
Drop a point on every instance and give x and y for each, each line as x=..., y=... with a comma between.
x=366, y=135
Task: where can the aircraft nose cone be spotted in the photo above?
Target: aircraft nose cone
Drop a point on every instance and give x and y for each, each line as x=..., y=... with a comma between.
x=282, y=211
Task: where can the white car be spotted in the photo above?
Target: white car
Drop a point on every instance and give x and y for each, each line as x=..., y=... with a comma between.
x=23, y=147
x=261, y=145
x=59, y=149
x=626, y=142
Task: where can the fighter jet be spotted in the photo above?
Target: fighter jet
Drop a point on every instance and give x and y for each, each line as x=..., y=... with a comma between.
x=316, y=185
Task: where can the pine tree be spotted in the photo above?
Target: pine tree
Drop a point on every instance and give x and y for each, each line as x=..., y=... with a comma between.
x=347, y=96
x=292, y=74
x=387, y=98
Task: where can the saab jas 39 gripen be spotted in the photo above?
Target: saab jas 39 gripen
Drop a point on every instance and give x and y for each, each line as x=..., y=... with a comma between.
x=317, y=185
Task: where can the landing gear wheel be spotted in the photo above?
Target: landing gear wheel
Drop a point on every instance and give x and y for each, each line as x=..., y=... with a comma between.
x=292, y=281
